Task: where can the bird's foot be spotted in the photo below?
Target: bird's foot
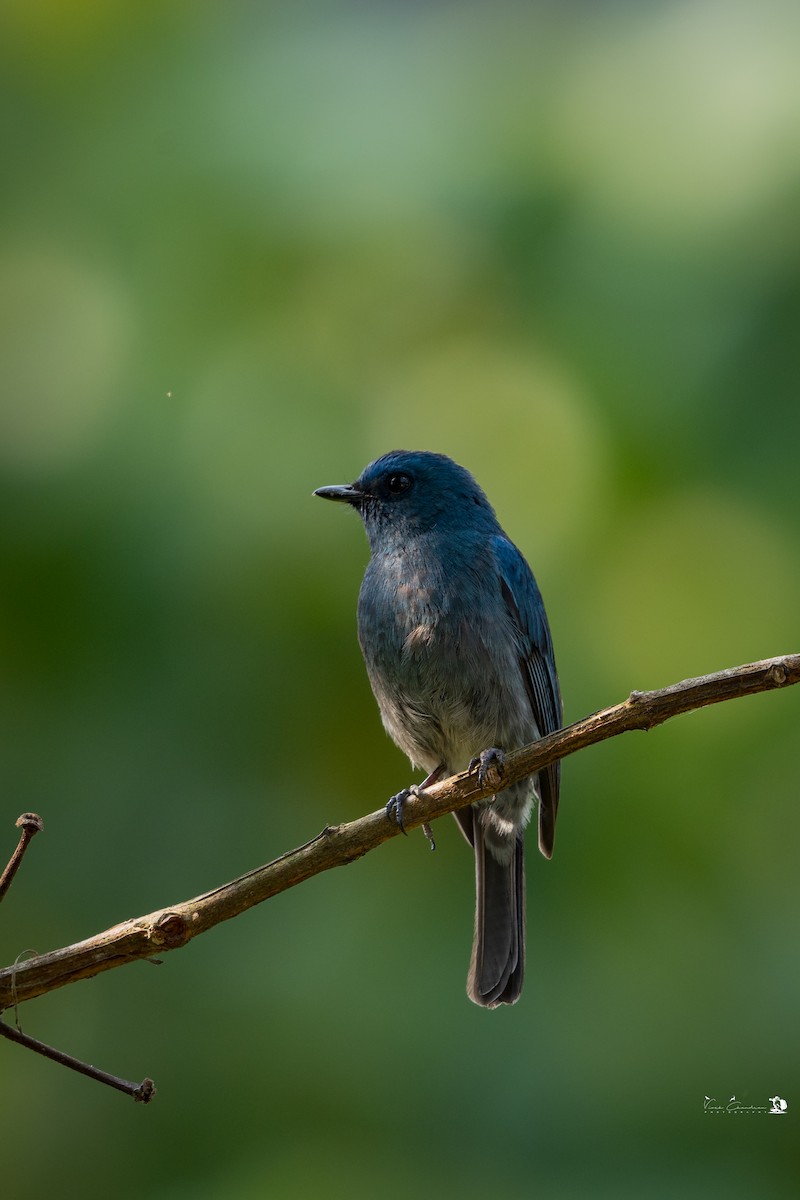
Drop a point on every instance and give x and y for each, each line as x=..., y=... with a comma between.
x=490, y=767
x=394, y=808
x=396, y=805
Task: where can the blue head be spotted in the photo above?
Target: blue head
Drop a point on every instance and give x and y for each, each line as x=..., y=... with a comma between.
x=406, y=493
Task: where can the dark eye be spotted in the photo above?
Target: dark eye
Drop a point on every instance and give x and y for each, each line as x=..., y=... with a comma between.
x=399, y=483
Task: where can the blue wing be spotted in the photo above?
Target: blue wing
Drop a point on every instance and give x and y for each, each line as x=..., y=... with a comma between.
x=537, y=663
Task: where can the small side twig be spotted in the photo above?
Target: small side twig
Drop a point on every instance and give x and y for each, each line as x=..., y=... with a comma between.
x=29, y=824
x=142, y=1092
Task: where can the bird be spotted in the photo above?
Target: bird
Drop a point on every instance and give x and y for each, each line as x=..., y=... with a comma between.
x=459, y=655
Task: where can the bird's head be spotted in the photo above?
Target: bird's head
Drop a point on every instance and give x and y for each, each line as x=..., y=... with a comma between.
x=407, y=492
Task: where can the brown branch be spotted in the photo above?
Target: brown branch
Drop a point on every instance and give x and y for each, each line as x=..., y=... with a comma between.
x=169, y=928
x=142, y=1092
x=30, y=824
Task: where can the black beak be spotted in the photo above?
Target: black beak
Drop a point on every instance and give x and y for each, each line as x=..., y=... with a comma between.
x=347, y=493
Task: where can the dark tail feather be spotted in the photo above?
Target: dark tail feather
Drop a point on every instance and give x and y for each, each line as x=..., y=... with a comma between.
x=548, y=807
x=498, y=951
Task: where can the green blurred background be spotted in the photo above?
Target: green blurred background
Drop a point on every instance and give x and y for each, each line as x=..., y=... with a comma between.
x=246, y=248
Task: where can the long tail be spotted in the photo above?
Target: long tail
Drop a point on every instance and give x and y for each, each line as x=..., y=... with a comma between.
x=497, y=965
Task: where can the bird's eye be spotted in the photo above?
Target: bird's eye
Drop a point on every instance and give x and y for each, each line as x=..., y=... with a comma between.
x=399, y=483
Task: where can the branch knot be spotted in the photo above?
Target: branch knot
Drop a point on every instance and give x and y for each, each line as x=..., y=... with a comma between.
x=170, y=930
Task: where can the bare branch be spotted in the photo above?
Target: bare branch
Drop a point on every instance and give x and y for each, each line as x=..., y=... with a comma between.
x=142, y=1092
x=169, y=928
x=30, y=824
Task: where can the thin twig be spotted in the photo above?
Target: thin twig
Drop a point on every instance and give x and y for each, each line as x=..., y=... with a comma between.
x=142, y=1092
x=30, y=824
x=169, y=928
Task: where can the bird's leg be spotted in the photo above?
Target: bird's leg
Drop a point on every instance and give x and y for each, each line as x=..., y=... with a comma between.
x=395, y=806
x=490, y=766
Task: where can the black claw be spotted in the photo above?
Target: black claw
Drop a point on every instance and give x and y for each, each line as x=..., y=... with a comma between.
x=395, y=806
x=487, y=763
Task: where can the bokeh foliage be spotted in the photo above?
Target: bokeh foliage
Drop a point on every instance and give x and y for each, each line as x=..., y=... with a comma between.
x=244, y=249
